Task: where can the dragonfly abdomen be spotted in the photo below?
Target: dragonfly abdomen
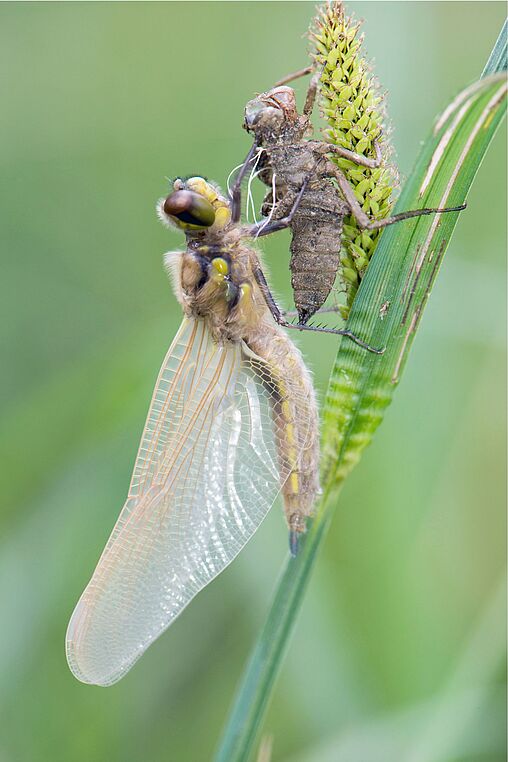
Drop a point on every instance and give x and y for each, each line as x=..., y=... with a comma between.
x=295, y=416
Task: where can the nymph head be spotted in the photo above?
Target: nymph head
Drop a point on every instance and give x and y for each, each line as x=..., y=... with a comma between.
x=270, y=112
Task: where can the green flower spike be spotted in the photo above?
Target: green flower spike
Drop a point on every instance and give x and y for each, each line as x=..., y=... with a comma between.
x=353, y=107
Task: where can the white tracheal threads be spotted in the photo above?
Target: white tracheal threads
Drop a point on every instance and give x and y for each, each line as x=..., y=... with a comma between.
x=274, y=198
x=252, y=176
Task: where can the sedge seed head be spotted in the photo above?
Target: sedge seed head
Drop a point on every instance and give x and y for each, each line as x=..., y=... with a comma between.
x=353, y=106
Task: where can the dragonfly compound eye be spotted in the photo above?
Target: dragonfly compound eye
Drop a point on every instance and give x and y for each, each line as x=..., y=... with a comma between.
x=189, y=210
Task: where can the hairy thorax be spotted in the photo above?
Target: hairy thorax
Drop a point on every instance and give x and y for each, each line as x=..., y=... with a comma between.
x=228, y=298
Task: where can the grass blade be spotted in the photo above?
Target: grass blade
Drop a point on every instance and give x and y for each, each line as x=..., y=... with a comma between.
x=398, y=282
x=498, y=59
x=386, y=312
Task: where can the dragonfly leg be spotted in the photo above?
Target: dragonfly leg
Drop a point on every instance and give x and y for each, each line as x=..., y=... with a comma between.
x=363, y=219
x=279, y=318
x=266, y=227
x=295, y=75
x=357, y=158
x=310, y=98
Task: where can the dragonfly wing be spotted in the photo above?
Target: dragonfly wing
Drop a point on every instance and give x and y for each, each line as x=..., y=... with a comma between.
x=206, y=474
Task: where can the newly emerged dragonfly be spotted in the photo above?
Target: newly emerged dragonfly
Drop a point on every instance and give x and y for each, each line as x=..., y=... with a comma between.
x=233, y=421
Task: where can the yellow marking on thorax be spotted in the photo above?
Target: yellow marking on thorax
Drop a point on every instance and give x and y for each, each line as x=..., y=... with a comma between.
x=245, y=293
x=220, y=270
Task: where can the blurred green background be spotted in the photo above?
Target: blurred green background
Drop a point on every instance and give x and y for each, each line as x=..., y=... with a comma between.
x=399, y=651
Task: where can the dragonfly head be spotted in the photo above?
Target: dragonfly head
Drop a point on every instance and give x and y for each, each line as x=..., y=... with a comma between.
x=194, y=205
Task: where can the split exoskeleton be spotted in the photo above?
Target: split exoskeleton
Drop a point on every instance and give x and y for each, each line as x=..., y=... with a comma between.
x=286, y=156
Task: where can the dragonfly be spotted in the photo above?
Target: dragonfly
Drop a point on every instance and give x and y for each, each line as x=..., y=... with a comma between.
x=286, y=154
x=232, y=423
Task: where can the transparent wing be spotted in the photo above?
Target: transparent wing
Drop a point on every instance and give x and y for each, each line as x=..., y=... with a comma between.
x=206, y=474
